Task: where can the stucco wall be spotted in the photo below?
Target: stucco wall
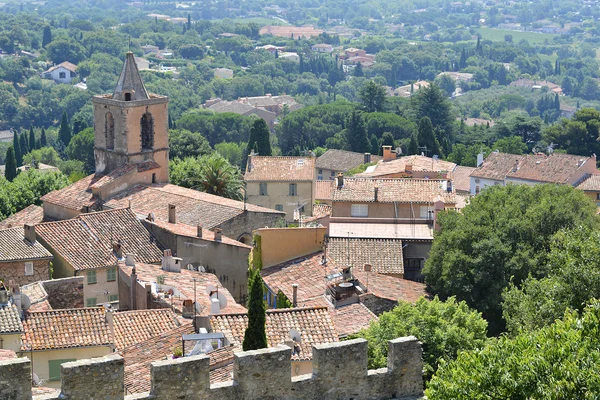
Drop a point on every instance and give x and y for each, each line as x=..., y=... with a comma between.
x=244, y=224
x=102, y=289
x=283, y=244
x=16, y=271
x=56, y=212
x=11, y=342
x=278, y=194
x=380, y=210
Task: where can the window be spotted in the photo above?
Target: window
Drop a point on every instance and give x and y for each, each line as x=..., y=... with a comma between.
x=54, y=368
x=279, y=207
x=62, y=75
x=319, y=178
x=91, y=302
x=477, y=189
x=359, y=210
x=293, y=189
x=28, y=268
x=111, y=274
x=127, y=96
x=320, y=172
x=597, y=196
x=147, y=131
x=91, y=277
x=262, y=189
x=109, y=130
x=113, y=297
x=154, y=178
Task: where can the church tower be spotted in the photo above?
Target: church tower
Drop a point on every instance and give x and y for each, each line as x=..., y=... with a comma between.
x=131, y=126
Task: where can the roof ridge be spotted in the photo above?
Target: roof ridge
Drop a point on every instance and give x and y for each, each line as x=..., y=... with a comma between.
x=64, y=310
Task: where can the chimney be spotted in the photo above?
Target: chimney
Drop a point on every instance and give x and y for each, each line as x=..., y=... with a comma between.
x=170, y=263
x=340, y=180
x=130, y=260
x=199, y=231
x=172, y=217
x=375, y=193
x=388, y=155
x=295, y=295
x=516, y=166
x=132, y=289
x=118, y=249
x=215, y=307
x=408, y=168
x=479, y=159
x=108, y=315
x=218, y=234
x=367, y=158
x=250, y=160
x=29, y=230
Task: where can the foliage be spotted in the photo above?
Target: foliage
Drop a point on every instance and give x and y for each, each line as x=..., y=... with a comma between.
x=259, y=140
x=64, y=133
x=81, y=148
x=432, y=103
x=61, y=50
x=219, y=127
x=10, y=169
x=510, y=145
x=578, y=135
x=45, y=155
x=17, y=149
x=372, y=96
x=255, y=336
x=356, y=133
x=444, y=328
x=233, y=152
x=183, y=143
x=282, y=301
x=360, y=168
x=426, y=138
x=502, y=236
x=557, y=362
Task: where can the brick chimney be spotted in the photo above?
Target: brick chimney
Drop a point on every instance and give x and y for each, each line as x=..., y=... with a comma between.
x=408, y=168
x=172, y=215
x=199, y=231
x=388, y=155
x=295, y=295
x=29, y=231
x=367, y=158
x=340, y=180
x=218, y=234
x=375, y=193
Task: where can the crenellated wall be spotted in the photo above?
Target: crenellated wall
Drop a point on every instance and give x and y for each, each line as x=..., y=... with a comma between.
x=339, y=372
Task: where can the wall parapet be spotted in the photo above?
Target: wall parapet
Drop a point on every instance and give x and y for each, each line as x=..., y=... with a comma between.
x=339, y=372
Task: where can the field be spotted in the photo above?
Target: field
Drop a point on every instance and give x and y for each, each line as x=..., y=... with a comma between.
x=497, y=35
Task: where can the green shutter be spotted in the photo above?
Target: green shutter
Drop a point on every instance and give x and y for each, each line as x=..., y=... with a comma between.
x=113, y=297
x=54, y=368
x=91, y=277
x=111, y=274
x=91, y=302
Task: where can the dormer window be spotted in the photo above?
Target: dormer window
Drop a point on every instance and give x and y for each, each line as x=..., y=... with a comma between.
x=127, y=96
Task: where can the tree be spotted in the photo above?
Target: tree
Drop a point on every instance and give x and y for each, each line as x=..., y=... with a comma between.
x=358, y=70
x=255, y=336
x=413, y=145
x=10, y=169
x=183, y=143
x=510, y=145
x=233, y=152
x=260, y=138
x=387, y=139
x=64, y=132
x=426, y=138
x=502, y=236
x=17, y=149
x=431, y=102
x=191, y=51
x=45, y=155
x=66, y=50
x=43, y=140
x=356, y=133
x=446, y=83
x=444, y=328
x=372, y=96
x=210, y=173
x=81, y=147
x=23, y=143
x=32, y=141
x=46, y=36
x=557, y=362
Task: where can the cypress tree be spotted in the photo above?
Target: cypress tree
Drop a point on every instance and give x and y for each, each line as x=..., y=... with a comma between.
x=356, y=133
x=556, y=102
x=463, y=59
x=259, y=138
x=189, y=22
x=358, y=70
x=17, y=149
x=64, y=133
x=10, y=169
x=43, y=140
x=426, y=137
x=32, y=138
x=255, y=336
x=46, y=36
x=23, y=143
x=413, y=146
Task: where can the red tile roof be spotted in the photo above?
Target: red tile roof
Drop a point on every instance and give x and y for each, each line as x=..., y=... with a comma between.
x=342, y=160
x=389, y=287
x=461, y=178
x=131, y=327
x=384, y=255
x=351, y=318
x=62, y=329
x=324, y=190
x=14, y=246
x=591, y=184
x=124, y=170
x=393, y=190
x=313, y=323
x=419, y=163
x=192, y=232
x=75, y=196
x=10, y=320
x=280, y=169
x=85, y=242
x=29, y=215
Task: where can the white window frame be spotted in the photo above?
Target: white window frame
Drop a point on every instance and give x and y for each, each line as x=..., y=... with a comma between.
x=28, y=268
x=359, y=210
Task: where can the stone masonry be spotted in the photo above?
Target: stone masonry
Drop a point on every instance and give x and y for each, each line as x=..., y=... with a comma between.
x=339, y=373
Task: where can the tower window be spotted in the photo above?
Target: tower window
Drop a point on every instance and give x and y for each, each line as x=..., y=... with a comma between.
x=127, y=96
x=147, y=125
x=153, y=178
x=109, y=129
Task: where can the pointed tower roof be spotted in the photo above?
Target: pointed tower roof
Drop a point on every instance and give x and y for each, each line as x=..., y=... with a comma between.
x=130, y=82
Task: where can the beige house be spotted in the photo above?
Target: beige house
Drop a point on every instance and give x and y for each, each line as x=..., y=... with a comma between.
x=283, y=183
x=22, y=258
x=11, y=328
x=334, y=161
x=92, y=244
x=51, y=338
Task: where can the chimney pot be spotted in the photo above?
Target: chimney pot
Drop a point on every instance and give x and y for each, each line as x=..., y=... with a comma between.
x=218, y=234
x=408, y=168
x=295, y=295
x=29, y=230
x=367, y=158
x=340, y=180
x=172, y=215
x=199, y=231
x=376, y=193
x=388, y=155
x=130, y=260
x=215, y=307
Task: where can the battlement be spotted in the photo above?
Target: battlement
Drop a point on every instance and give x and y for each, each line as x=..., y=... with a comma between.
x=339, y=372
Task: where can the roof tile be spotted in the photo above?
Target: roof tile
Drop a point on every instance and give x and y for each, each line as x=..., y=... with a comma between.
x=384, y=255
x=131, y=327
x=14, y=246
x=280, y=169
x=394, y=190
x=342, y=160
x=398, y=166
x=29, y=215
x=10, y=320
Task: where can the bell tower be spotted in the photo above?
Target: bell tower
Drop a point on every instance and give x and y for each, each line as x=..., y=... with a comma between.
x=131, y=126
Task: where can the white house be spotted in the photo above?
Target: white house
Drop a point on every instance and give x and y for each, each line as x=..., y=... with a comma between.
x=290, y=56
x=322, y=48
x=61, y=73
x=223, y=73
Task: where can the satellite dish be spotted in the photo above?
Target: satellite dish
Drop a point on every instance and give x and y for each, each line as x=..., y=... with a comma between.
x=294, y=335
x=210, y=288
x=36, y=379
x=201, y=268
x=398, y=150
x=25, y=302
x=190, y=267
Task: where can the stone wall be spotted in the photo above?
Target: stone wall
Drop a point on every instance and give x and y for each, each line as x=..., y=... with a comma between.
x=244, y=224
x=65, y=293
x=339, y=372
x=15, y=271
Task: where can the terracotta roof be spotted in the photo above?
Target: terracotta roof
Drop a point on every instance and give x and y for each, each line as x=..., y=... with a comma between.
x=29, y=215
x=390, y=287
x=131, y=327
x=280, y=169
x=381, y=231
x=85, y=242
x=193, y=207
x=324, y=190
x=384, y=255
x=37, y=296
x=591, y=183
x=38, y=391
x=313, y=323
x=221, y=374
x=62, y=329
x=14, y=246
x=351, y=318
x=75, y=196
x=419, y=163
x=124, y=170
x=65, y=64
x=138, y=357
x=393, y=191
x=342, y=160
x=184, y=283
x=555, y=168
x=7, y=355
x=10, y=319
x=192, y=232
x=461, y=178
x=320, y=211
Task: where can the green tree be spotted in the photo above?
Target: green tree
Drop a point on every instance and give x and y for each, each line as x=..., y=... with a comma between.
x=45, y=155
x=17, y=149
x=444, y=327
x=46, y=36
x=446, y=83
x=502, y=236
x=557, y=362
x=413, y=145
x=358, y=70
x=511, y=145
x=260, y=138
x=10, y=169
x=356, y=133
x=60, y=50
x=183, y=143
x=387, y=139
x=43, y=140
x=32, y=141
x=23, y=143
x=432, y=102
x=81, y=147
x=426, y=137
x=233, y=152
x=372, y=96
x=64, y=132
x=255, y=336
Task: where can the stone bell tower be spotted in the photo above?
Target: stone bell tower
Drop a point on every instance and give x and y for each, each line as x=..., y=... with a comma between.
x=131, y=126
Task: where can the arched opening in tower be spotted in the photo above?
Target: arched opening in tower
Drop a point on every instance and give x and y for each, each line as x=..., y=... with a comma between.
x=147, y=125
